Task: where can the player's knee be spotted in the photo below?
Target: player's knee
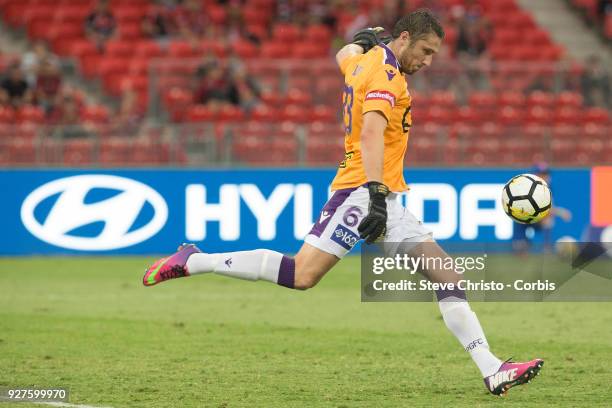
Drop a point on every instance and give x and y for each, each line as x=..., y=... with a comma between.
x=305, y=277
x=304, y=281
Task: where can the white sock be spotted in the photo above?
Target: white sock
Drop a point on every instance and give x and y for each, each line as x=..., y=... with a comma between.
x=463, y=323
x=251, y=265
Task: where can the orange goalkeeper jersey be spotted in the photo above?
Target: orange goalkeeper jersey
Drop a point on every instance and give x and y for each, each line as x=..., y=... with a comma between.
x=373, y=82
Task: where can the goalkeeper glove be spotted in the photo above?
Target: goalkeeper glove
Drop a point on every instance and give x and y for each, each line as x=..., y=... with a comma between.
x=368, y=38
x=374, y=225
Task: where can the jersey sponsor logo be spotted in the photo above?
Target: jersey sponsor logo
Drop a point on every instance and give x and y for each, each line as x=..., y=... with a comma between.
x=381, y=95
x=390, y=74
x=501, y=377
x=94, y=212
x=344, y=237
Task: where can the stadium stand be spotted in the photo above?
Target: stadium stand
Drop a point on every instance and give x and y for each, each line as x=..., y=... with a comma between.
x=254, y=82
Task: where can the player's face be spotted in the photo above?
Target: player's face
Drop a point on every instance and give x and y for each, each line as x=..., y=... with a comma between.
x=419, y=54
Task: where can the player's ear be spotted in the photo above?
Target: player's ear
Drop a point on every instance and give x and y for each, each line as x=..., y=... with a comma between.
x=405, y=37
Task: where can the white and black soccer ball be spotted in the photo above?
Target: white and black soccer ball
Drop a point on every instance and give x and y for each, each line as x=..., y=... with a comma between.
x=527, y=199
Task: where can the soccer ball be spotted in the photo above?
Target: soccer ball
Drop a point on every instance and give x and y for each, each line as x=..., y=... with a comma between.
x=526, y=198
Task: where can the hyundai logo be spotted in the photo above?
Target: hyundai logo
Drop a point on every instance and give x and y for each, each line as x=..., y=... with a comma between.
x=74, y=210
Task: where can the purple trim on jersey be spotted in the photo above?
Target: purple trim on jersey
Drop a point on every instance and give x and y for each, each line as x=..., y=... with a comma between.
x=391, y=60
x=329, y=210
x=442, y=294
x=286, y=272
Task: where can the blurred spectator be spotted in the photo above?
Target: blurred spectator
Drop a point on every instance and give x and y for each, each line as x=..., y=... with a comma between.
x=214, y=85
x=303, y=12
x=218, y=86
x=31, y=61
x=603, y=8
x=14, y=88
x=48, y=85
x=191, y=20
x=69, y=123
x=156, y=23
x=474, y=30
x=129, y=117
x=543, y=83
x=595, y=83
x=244, y=91
x=100, y=25
x=567, y=77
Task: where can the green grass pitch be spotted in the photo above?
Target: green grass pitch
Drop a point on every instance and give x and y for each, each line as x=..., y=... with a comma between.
x=207, y=341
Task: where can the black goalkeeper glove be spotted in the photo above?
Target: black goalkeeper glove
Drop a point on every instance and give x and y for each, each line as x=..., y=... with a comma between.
x=368, y=38
x=374, y=225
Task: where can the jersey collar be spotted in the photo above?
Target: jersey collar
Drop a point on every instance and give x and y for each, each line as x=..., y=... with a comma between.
x=389, y=56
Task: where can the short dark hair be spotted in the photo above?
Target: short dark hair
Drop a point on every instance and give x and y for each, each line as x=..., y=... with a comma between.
x=419, y=23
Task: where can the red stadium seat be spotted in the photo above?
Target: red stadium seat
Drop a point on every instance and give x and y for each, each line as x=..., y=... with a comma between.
x=183, y=49
x=147, y=49
x=539, y=115
x=148, y=152
x=442, y=99
x=177, y=101
x=467, y=114
x=540, y=98
x=199, y=113
x=569, y=99
x=598, y=116
x=115, y=151
x=298, y=97
x=511, y=98
x=30, y=114
x=128, y=14
x=17, y=151
x=270, y=97
x=435, y=114
x=130, y=31
x=509, y=116
x=309, y=50
x=258, y=31
x=592, y=131
x=7, y=115
x=323, y=113
x=482, y=100
x=318, y=33
x=119, y=48
x=264, y=113
x=216, y=14
x=294, y=113
x=566, y=131
x=286, y=33
x=255, y=16
x=230, y=113
x=78, y=152
x=567, y=115
x=245, y=49
x=96, y=114
x=275, y=50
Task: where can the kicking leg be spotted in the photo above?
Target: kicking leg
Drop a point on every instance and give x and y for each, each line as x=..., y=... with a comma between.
x=301, y=272
x=456, y=312
x=499, y=376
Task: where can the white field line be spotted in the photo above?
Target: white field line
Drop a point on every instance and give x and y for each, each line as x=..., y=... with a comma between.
x=66, y=404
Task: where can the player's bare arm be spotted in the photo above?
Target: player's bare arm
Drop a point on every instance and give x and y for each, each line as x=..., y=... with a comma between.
x=374, y=225
x=349, y=50
x=373, y=144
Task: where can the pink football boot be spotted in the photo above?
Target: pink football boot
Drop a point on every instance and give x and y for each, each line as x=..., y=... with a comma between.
x=511, y=374
x=171, y=267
